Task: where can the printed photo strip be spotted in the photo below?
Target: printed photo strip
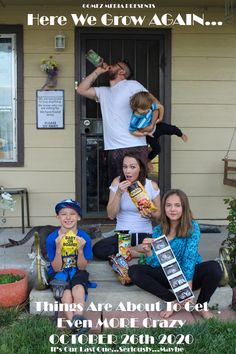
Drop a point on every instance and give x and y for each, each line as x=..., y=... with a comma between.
x=160, y=244
x=171, y=268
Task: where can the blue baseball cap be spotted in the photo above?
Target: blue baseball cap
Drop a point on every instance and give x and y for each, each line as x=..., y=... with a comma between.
x=69, y=203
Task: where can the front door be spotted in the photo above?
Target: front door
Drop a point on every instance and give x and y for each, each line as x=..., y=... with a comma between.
x=148, y=52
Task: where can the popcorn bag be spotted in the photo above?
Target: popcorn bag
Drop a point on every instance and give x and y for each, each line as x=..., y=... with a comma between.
x=124, y=242
x=140, y=198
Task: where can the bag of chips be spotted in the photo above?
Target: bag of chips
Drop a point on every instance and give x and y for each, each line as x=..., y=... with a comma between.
x=120, y=266
x=140, y=198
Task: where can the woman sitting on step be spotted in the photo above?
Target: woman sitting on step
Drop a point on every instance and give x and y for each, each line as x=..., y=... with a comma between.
x=121, y=207
x=183, y=234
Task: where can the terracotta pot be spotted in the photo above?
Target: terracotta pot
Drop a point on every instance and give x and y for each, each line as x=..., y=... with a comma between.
x=13, y=294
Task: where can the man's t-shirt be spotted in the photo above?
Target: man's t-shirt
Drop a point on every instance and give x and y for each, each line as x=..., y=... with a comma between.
x=69, y=249
x=116, y=113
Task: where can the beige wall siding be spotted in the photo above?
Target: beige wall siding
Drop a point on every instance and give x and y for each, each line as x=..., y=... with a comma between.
x=203, y=105
x=49, y=170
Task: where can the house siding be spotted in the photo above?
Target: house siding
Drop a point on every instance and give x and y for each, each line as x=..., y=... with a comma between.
x=203, y=106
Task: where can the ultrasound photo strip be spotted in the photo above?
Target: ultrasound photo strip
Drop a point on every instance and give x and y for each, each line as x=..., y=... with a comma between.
x=172, y=269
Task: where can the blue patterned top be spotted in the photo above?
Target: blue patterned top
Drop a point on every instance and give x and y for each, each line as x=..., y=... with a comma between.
x=139, y=121
x=184, y=248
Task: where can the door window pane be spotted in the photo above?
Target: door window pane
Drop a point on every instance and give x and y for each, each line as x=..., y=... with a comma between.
x=96, y=175
x=8, y=134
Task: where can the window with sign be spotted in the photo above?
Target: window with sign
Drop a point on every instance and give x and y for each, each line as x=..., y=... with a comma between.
x=11, y=96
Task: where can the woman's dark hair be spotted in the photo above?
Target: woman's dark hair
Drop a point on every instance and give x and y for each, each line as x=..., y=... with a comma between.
x=185, y=222
x=143, y=169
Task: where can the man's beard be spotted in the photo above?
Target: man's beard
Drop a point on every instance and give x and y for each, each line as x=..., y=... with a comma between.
x=112, y=75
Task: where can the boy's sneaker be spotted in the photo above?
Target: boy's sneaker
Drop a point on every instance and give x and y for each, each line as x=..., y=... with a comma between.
x=80, y=329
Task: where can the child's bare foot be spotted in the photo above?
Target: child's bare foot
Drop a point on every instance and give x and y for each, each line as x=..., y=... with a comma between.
x=206, y=314
x=184, y=137
x=166, y=314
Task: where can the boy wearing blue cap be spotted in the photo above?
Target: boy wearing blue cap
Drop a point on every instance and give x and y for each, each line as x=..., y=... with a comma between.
x=69, y=250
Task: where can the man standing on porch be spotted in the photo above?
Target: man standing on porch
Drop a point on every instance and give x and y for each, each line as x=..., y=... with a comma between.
x=116, y=112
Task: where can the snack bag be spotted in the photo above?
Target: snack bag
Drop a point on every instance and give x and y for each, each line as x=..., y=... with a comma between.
x=124, y=242
x=69, y=251
x=120, y=266
x=139, y=197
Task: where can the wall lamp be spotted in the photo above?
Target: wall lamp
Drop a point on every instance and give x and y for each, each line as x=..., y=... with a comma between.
x=60, y=41
x=230, y=10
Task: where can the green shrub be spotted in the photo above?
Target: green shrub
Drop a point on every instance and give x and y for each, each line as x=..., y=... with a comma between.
x=230, y=241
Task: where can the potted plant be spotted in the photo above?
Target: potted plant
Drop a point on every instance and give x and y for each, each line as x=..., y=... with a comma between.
x=13, y=282
x=13, y=287
x=230, y=242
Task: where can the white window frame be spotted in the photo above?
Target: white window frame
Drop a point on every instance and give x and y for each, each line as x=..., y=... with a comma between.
x=15, y=32
x=12, y=107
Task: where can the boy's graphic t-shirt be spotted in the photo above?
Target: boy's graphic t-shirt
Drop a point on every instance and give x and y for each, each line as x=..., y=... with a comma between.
x=69, y=251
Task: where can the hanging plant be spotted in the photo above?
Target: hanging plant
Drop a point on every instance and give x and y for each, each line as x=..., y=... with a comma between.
x=50, y=67
x=6, y=203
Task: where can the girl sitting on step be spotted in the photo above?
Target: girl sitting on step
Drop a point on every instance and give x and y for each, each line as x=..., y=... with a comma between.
x=183, y=234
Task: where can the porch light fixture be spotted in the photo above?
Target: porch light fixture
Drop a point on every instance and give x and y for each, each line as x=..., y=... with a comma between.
x=60, y=41
x=230, y=10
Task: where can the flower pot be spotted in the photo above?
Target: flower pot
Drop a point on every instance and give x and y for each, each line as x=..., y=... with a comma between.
x=16, y=293
x=51, y=80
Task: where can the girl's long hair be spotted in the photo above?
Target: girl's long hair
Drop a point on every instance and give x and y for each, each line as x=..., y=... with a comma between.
x=143, y=169
x=185, y=223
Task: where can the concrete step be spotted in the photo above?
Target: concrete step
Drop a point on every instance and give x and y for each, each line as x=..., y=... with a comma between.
x=98, y=270
x=114, y=293
x=105, y=293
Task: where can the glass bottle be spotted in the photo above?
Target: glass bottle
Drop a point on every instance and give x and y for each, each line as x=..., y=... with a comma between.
x=94, y=58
